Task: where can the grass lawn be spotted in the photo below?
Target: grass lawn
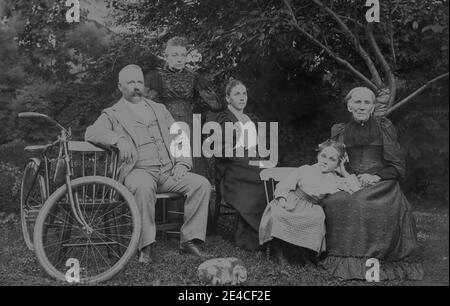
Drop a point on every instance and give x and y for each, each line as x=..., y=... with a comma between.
x=19, y=266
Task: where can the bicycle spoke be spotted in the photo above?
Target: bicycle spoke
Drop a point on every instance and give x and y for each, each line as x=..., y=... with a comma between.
x=101, y=252
x=61, y=242
x=61, y=258
x=113, y=219
x=125, y=246
x=83, y=254
x=114, y=226
x=101, y=216
x=94, y=215
x=101, y=256
x=95, y=259
x=64, y=221
x=107, y=245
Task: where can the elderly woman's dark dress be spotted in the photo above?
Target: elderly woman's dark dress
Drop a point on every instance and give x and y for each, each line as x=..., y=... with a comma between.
x=183, y=92
x=242, y=189
x=375, y=222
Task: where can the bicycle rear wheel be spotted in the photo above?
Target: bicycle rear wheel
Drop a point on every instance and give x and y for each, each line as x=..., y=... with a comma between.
x=32, y=197
x=109, y=209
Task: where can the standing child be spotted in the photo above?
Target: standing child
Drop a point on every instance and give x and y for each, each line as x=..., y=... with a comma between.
x=182, y=90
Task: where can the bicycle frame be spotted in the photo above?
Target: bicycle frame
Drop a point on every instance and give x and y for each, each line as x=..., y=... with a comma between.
x=47, y=188
x=63, y=141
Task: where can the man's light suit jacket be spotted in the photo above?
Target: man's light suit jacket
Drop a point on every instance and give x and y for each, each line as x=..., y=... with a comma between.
x=116, y=122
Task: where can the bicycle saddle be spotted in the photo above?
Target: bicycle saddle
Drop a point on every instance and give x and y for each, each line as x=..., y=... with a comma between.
x=36, y=148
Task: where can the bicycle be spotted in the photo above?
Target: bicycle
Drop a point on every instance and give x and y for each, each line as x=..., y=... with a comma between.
x=91, y=220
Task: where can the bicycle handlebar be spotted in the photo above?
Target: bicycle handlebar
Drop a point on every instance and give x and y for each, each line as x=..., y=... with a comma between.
x=54, y=143
x=43, y=116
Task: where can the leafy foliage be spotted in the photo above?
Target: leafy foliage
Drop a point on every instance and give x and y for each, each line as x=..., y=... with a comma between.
x=11, y=164
x=410, y=34
x=424, y=134
x=257, y=41
x=69, y=71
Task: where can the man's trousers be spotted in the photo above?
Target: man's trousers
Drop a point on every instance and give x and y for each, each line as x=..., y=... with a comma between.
x=144, y=183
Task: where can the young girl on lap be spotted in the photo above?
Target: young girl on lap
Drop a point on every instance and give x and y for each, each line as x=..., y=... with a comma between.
x=294, y=215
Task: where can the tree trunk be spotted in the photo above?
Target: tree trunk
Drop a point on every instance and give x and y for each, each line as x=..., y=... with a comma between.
x=382, y=102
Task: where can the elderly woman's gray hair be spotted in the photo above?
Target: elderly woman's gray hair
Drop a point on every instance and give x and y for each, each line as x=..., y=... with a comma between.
x=365, y=90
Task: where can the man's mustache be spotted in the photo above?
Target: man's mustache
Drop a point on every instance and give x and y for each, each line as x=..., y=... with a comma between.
x=138, y=93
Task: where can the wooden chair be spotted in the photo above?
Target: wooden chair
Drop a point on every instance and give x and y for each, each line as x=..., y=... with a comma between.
x=167, y=225
x=222, y=208
x=271, y=177
x=90, y=159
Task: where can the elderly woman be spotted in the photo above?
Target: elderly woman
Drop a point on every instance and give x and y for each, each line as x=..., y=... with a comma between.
x=182, y=90
x=375, y=222
x=242, y=186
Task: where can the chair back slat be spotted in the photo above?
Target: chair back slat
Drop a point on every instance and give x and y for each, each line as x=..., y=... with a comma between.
x=276, y=173
x=83, y=146
x=83, y=163
x=95, y=163
x=88, y=159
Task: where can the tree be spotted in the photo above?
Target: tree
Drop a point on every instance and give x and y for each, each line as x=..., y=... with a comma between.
x=412, y=35
x=384, y=84
x=45, y=63
x=404, y=55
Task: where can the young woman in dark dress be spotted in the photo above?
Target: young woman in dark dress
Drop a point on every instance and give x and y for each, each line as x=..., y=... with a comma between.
x=242, y=185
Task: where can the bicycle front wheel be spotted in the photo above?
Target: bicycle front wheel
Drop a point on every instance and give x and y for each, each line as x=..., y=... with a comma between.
x=68, y=251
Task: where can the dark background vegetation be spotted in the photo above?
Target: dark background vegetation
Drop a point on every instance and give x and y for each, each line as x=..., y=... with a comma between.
x=69, y=71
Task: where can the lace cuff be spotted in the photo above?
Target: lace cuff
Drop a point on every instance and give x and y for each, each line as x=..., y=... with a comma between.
x=349, y=184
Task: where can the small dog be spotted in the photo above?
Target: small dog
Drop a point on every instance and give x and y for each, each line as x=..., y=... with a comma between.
x=222, y=271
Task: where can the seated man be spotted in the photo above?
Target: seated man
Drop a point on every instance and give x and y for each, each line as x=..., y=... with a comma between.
x=139, y=128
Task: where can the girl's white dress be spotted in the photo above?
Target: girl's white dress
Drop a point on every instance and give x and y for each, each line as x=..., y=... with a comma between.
x=302, y=222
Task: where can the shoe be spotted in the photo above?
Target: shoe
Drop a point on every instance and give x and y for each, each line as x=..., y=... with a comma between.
x=145, y=255
x=310, y=259
x=282, y=260
x=279, y=255
x=190, y=248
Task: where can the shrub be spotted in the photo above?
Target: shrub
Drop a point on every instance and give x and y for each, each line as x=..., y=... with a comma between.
x=424, y=136
x=13, y=153
x=10, y=181
x=12, y=161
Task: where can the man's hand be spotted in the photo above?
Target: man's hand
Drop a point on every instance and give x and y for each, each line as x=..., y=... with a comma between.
x=281, y=202
x=179, y=171
x=125, y=151
x=367, y=180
